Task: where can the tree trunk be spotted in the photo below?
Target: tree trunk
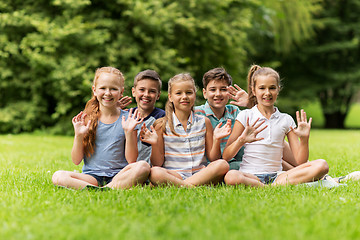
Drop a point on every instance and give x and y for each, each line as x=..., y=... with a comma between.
x=335, y=120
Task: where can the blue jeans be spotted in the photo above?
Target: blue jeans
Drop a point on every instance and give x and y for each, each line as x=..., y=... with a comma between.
x=102, y=180
x=267, y=178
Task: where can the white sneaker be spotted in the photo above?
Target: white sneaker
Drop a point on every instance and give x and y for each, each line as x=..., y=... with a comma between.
x=354, y=176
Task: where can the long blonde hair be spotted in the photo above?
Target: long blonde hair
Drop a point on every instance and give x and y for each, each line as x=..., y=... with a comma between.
x=92, y=110
x=169, y=107
x=254, y=72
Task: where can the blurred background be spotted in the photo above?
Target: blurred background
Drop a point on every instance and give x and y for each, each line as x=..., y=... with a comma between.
x=50, y=49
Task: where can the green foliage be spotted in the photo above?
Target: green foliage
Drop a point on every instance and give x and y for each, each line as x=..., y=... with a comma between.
x=328, y=66
x=49, y=50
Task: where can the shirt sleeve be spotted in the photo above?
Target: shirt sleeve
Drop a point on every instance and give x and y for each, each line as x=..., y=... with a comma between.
x=241, y=117
x=291, y=123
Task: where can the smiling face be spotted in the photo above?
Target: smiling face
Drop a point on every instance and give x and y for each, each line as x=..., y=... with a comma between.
x=266, y=90
x=108, y=90
x=216, y=94
x=182, y=95
x=146, y=93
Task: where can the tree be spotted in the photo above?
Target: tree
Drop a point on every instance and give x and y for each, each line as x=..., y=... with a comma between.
x=49, y=50
x=328, y=66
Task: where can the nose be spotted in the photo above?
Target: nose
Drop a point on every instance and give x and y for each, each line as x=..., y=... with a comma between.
x=146, y=93
x=217, y=92
x=184, y=95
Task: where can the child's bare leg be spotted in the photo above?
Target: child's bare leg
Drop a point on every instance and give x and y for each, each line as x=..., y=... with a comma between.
x=161, y=176
x=212, y=174
x=235, y=177
x=307, y=172
x=131, y=175
x=73, y=179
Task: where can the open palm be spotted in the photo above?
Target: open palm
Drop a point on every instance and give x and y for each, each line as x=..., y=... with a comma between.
x=221, y=132
x=251, y=131
x=78, y=122
x=304, y=126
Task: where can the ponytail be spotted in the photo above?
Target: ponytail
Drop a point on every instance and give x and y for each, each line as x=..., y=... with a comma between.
x=251, y=85
x=92, y=111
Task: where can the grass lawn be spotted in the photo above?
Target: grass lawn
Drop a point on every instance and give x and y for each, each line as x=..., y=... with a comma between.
x=32, y=208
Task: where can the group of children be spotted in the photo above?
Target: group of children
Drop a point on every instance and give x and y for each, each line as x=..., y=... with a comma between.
x=187, y=145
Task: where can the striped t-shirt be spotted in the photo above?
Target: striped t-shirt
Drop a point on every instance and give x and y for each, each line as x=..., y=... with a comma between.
x=185, y=153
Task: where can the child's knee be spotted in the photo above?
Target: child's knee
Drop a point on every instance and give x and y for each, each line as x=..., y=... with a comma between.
x=156, y=173
x=233, y=177
x=143, y=168
x=222, y=166
x=58, y=176
x=322, y=166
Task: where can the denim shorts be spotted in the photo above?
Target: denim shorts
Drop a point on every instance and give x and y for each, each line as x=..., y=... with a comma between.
x=267, y=178
x=102, y=180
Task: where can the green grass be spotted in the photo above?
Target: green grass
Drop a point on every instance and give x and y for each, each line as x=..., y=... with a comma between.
x=32, y=208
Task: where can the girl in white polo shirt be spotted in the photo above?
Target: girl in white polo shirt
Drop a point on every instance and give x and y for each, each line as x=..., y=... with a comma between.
x=262, y=130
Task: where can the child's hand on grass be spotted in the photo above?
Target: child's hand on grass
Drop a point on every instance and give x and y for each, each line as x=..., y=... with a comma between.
x=239, y=96
x=148, y=136
x=221, y=132
x=303, y=126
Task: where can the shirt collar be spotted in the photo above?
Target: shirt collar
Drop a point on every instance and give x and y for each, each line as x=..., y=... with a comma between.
x=259, y=115
x=178, y=123
x=209, y=111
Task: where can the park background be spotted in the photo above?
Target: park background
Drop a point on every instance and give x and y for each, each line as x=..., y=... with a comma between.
x=49, y=51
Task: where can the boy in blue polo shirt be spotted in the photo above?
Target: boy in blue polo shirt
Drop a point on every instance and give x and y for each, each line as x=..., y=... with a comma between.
x=217, y=91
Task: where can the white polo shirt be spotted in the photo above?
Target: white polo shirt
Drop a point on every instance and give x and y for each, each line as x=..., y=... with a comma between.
x=265, y=156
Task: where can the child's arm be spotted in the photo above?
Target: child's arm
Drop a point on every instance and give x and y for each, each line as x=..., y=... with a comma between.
x=131, y=150
x=77, y=152
x=241, y=135
x=155, y=138
x=213, y=138
x=302, y=132
x=239, y=96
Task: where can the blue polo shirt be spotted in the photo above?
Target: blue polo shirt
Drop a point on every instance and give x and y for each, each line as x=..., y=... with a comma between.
x=231, y=113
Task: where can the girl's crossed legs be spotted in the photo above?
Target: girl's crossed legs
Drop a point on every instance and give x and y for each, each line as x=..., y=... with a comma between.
x=129, y=176
x=307, y=172
x=212, y=174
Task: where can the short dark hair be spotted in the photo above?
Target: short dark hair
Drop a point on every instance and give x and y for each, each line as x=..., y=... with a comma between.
x=148, y=74
x=217, y=74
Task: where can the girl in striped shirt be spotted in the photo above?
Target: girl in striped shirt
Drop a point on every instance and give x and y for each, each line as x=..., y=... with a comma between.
x=181, y=139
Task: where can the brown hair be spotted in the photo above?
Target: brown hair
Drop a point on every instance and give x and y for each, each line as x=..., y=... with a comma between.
x=92, y=110
x=169, y=107
x=217, y=74
x=254, y=72
x=148, y=74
